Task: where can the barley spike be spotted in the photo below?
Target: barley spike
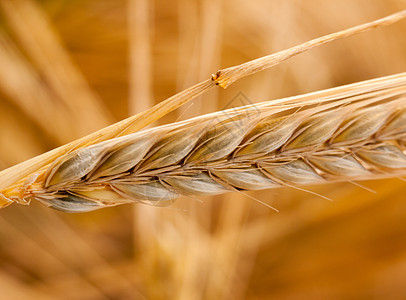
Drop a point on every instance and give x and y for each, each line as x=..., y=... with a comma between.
x=354, y=132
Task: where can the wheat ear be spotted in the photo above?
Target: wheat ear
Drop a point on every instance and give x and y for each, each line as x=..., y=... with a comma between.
x=349, y=133
x=31, y=178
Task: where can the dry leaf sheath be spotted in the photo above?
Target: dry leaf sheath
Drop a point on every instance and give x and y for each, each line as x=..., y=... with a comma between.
x=348, y=133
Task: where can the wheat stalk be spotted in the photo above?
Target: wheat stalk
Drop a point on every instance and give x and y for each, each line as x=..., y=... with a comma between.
x=349, y=133
x=307, y=139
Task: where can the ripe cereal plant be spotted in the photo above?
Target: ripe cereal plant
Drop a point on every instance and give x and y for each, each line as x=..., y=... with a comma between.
x=356, y=132
x=348, y=133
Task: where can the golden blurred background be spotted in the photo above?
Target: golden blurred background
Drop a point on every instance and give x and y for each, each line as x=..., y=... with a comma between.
x=68, y=68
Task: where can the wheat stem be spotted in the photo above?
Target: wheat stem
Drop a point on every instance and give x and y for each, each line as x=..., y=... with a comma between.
x=228, y=76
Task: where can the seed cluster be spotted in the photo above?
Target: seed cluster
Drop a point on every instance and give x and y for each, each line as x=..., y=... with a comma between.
x=361, y=136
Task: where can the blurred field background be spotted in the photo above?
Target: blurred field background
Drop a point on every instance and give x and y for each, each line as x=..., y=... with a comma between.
x=68, y=68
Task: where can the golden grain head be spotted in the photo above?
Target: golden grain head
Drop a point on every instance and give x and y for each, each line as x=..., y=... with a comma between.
x=360, y=136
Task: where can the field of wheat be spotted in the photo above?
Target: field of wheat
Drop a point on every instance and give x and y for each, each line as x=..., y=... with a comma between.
x=327, y=224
